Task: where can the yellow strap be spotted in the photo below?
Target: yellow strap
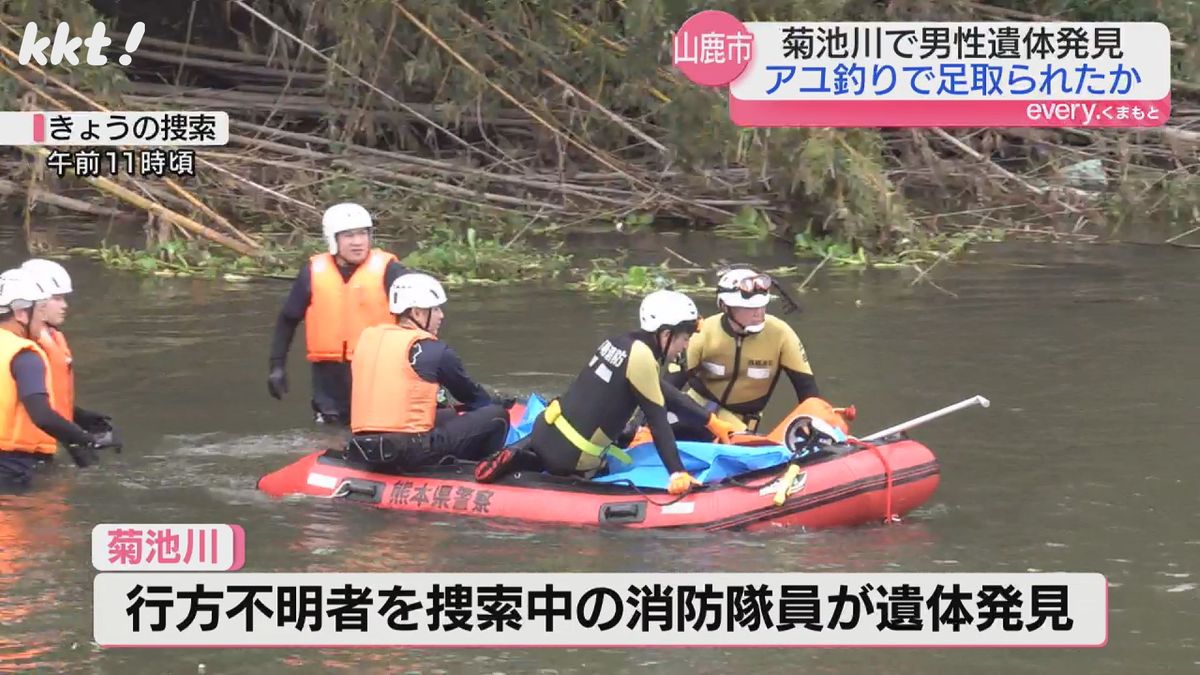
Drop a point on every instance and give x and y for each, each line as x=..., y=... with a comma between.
x=554, y=416
x=789, y=477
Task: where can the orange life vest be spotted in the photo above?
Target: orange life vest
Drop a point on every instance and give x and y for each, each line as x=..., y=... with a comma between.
x=17, y=431
x=387, y=395
x=54, y=343
x=340, y=310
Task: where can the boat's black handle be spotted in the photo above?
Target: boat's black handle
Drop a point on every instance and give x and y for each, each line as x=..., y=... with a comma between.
x=623, y=513
x=362, y=490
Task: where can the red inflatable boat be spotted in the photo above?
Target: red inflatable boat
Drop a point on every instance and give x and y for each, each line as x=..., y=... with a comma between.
x=849, y=485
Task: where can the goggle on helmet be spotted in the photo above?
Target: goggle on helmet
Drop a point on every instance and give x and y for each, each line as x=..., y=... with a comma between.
x=750, y=286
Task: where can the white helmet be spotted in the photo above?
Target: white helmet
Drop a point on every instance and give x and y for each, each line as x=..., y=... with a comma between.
x=415, y=290
x=343, y=217
x=52, y=276
x=807, y=433
x=19, y=290
x=668, y=309
x=743, y=288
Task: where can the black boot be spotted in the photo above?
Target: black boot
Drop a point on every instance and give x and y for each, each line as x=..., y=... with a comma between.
x=512, y=458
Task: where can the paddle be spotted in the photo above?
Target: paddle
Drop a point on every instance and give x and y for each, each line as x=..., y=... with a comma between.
x=917, y=421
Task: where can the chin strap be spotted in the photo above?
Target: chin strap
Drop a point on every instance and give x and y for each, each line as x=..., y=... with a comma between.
x=742, y=328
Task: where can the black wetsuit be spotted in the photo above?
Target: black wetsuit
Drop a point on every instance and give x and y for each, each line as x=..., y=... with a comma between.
x=330, y=379
x=622, y=377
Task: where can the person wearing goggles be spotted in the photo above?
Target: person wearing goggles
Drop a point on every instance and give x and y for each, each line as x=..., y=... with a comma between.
x=733, y=365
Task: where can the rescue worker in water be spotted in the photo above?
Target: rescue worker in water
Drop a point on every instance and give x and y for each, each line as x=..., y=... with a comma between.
x=30, y=429
x=732, y=368
x=54, y=279
x=575, y=433
x=397, y=371
x=337, y=294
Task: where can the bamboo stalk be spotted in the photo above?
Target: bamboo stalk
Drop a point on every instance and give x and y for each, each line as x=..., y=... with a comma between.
x=1181, y=235
x=567, y=137
x=246, y=239
x=125, y=194
x=1027, y=16
x=500, y=90
x=274, y=26
x=422, y=190
x=184, y=194
x=9, y=188
x=216, y=52
x=444, y=167
x=622, y=122
x=149, y=92
x=240, y=68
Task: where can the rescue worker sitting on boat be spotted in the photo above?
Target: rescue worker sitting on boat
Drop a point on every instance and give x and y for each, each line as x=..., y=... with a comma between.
x=54, y=279
x=732, y=368
x=576, y=431
x=398, y=369
x=30, y=429
x=337, y=294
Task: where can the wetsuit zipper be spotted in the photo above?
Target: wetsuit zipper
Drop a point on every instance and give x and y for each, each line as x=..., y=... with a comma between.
x=737, y=358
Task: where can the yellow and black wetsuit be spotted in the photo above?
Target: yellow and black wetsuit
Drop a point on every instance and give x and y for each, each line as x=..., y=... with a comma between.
x=622, y=376
x=735, y=375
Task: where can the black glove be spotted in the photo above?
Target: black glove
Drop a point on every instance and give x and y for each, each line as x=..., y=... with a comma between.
x=277, y=382
x=84, y=455
x=93, y=422
x=507, y=401
x=107, y=440
x=631, y=428
x=624, y=438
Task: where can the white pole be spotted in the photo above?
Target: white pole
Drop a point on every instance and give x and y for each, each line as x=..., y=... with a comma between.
x=917, y=421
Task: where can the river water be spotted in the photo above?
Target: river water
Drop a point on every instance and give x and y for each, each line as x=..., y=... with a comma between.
x=1083, y=462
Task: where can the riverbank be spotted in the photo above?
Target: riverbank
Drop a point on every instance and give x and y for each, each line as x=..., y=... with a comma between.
x=488, y=136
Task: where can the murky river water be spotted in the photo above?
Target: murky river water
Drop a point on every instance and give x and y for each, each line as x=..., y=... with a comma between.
x=1083, y=462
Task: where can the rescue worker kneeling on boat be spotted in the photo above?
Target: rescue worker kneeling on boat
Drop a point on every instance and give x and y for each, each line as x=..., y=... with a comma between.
x=337, y=294
x=30, y=429
x=576, y=431
x=55, y=280
x=397, y=371
x=733, y=366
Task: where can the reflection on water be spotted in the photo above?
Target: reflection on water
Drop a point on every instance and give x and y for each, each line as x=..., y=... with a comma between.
x=1083, y=462
x=40, y=533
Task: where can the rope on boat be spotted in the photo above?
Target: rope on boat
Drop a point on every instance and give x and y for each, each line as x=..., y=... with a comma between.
x=889, y=516
x=340, y=491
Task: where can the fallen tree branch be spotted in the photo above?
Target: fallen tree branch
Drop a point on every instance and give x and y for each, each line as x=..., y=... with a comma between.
x=11, y=189
x=968, y=150
x=125, y=194
x=253, y=245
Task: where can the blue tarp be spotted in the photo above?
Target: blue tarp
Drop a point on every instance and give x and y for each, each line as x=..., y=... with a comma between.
x=533, y=408
x=707, y=462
